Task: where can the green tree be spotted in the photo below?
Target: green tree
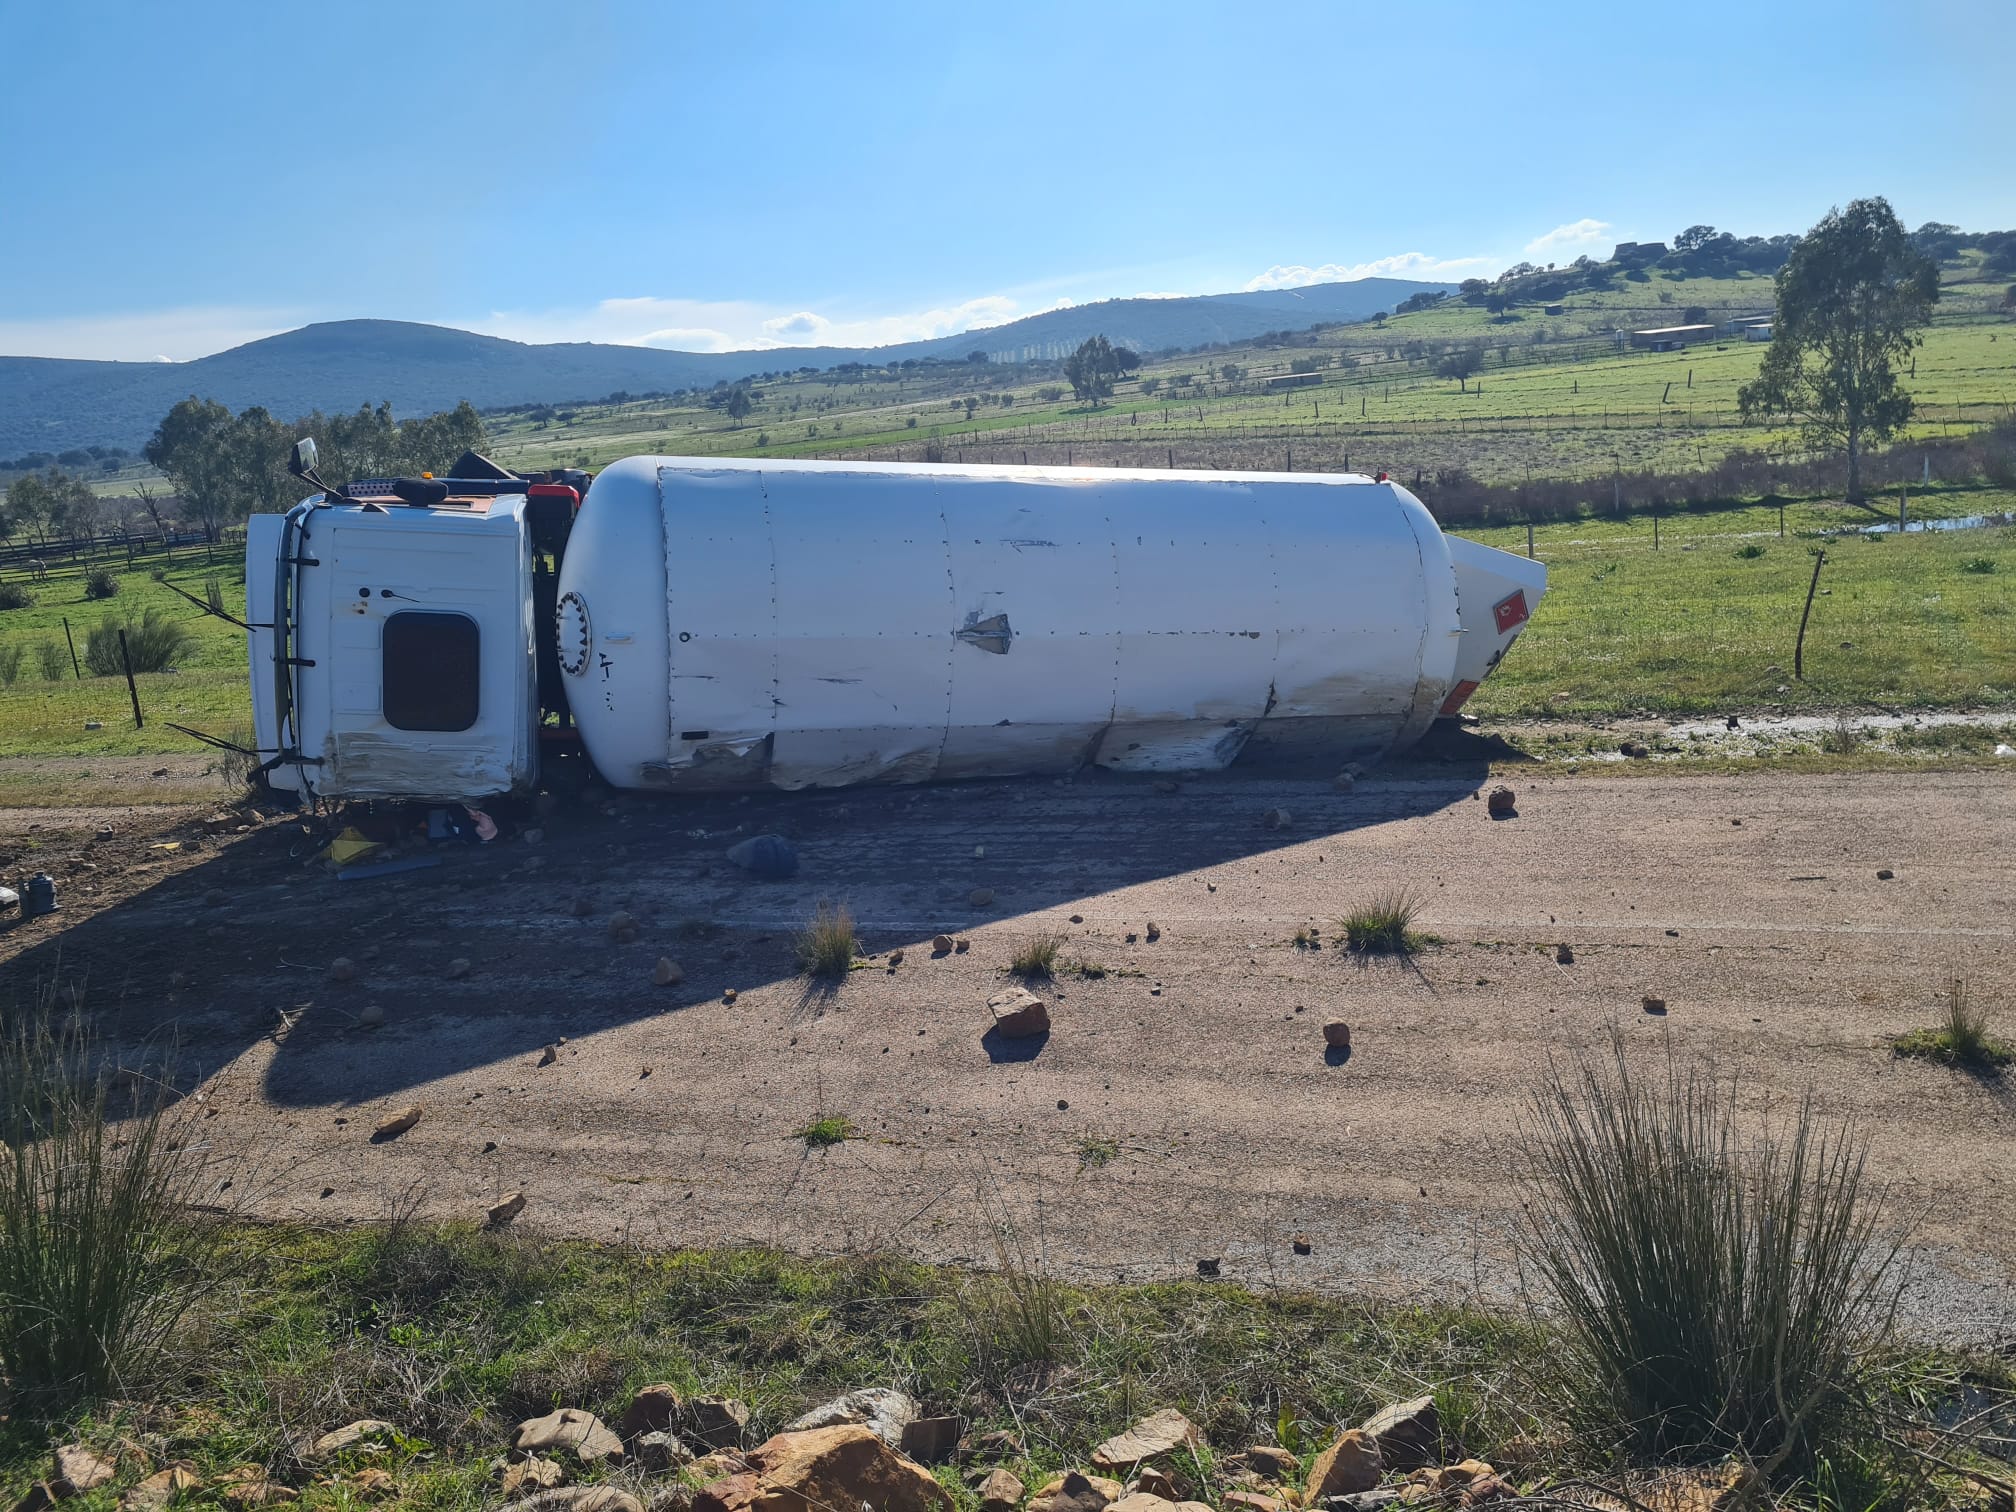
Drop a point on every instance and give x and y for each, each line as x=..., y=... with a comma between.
x=1092, y=368
x=738, y=405
x=1849, y=298
x=50, y=504
x=189, y=446
x=1459, y=365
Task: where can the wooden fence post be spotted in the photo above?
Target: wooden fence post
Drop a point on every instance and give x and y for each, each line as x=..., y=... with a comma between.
x=1799, y=651
x=75, y=670
x=132, y=687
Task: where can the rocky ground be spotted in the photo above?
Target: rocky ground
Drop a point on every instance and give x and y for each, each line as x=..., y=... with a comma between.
x=1182, y=1113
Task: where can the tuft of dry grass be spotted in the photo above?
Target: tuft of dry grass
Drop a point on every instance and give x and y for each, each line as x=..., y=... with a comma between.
x=1035, y=959
x=1962, y=1039
x=826, y=947
x=1384, y=925
x=1718, y=1289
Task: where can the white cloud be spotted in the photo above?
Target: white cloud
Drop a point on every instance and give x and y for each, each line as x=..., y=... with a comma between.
x=1401, y=265
x=1576, y=236
x=150, y=336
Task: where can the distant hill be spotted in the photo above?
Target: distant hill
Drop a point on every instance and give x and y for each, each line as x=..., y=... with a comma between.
x=52, y=404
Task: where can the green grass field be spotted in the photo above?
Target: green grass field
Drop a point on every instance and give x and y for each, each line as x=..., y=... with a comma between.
x=1701, y=625
x=208, y=691
x=1554, y=398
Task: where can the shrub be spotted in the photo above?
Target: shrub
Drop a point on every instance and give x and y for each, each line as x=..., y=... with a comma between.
x=1384, y=926
x=154, y=643
x=1962, y=1039
x=50, y=658
x=101, y=584
x=10, y=663
x=97, y=1260
x=1980, y=564
x=1714, y=1294
x=1749, y=551
x=826, y=946
x=15, y=596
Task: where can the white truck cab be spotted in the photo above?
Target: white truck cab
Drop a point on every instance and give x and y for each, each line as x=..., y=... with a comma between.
x=393, y=651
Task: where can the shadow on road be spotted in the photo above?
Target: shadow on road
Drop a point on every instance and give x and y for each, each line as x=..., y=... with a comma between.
x=235, y=950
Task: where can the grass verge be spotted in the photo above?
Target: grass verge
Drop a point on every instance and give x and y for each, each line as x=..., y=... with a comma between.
x=454, y=1335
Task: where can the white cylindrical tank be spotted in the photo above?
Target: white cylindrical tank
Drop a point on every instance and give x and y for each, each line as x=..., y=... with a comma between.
x=734, y=623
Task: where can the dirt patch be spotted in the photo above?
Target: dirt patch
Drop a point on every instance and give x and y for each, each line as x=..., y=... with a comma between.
x=1194, y=1053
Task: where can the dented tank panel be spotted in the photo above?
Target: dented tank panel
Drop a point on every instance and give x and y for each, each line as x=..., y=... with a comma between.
x=735, y=623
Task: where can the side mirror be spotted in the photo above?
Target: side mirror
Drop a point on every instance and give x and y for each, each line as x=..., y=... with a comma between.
x=302, y=459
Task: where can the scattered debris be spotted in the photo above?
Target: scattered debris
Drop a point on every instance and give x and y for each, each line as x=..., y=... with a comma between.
x=654, y=1409
x=159, y=1490
x=931, y=1440
x=622, y=928
x=882, y=1411
x=941, y=945
x=845, y=1466
x=1302, y=1244
x=528, y=1475
x=1637, y=750
x=1344, y=781
x=549, y=1055
x=660, y=1450
x=569, y=1428
x=371, y=1015
x=1337, y=1035
x=729, y=994
x=1154, y=931
x=717, y=1421
x=1276, y=819
x=1163, y=1433
x=1884, y=874
x=1655, y=1005
x=1502, y=804
x=1349, y=1465
x=1564, y=956
x=771, y=857
x=397, y=1124
x=351, y=1434
x=980, y=897
x=1277, y=1464
x=78, y=1470
x=1208, y=1267
x=458, y=968
x=342, y=969
x=1407, y=1434
x=1076, y=1492
x=1000, y=1492
x=1018, y=1013
x=667, y=973
x=500, y=1213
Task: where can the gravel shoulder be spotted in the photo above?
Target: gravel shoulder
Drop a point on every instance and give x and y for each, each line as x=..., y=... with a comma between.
x=1181, y=1109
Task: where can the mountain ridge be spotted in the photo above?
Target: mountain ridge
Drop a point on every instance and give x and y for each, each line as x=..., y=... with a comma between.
x=55, y=403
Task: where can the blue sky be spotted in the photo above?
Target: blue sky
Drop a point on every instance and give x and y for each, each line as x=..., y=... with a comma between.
x=175, y=179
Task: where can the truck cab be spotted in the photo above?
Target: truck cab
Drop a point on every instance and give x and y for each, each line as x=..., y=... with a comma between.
x=395, y=649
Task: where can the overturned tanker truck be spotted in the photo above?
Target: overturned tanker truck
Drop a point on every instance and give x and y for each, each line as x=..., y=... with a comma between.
x=712, y=624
